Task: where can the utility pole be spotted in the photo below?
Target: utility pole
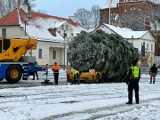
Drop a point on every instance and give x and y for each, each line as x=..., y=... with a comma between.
x=109, y=18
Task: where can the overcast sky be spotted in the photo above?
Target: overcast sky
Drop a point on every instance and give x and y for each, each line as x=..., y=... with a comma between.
x=65, y=8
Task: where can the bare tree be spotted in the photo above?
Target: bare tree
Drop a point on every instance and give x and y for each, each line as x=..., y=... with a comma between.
x=7, y=6
x=132, y=19
x=95, y=16
x=83, y=17
x=88, y=19
x=2, y=8
x=142, y=19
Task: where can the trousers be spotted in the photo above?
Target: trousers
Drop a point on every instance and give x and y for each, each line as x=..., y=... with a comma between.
x=133, y=86
x=56, y=76
x=152, y=75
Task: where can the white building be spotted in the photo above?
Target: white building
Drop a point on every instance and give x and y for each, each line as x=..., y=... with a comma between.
x=137, y=38
x=48, y=30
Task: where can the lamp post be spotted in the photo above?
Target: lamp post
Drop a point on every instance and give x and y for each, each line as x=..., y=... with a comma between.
x=26, y=19
x=109, y=19
x=64, y=44
x=29, y=15
x=64, y=49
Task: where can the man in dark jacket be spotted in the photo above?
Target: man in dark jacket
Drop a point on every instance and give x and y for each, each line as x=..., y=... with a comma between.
x=133, y=79
x=153, y=72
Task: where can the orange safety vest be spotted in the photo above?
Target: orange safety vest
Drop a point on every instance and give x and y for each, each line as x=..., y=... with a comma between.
x=55, y=67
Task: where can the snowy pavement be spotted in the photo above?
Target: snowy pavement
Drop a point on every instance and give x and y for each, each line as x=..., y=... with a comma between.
x=31, y=83
x=80, y=102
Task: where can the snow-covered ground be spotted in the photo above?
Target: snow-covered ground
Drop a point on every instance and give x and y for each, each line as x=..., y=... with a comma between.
x=80, y=102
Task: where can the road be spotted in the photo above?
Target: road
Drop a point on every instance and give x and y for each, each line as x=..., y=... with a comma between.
x=31, y=83
x=77, y=102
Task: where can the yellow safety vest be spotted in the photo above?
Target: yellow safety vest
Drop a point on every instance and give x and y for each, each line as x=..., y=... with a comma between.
x=75, y=72
x=135, y=71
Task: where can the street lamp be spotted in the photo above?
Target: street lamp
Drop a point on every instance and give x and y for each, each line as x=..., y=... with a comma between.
x=26, y=18
x=29, y=15
x=64, y=36
x=109, y=19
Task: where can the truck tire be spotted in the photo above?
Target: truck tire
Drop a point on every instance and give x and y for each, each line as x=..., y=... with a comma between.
x=97, y=79
x=14, y=73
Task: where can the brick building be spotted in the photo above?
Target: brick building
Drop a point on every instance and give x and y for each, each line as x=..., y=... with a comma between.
x=141, y=15
x=145, y=9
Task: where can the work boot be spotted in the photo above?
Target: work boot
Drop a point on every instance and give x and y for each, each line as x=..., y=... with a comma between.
x=128, y=102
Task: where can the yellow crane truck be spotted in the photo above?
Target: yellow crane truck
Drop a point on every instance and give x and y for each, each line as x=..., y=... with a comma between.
x=91, y=76
x=14, y=65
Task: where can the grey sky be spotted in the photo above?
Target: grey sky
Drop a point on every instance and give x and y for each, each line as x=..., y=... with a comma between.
x=65, y=8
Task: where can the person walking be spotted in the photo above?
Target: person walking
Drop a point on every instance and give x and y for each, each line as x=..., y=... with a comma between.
x=55, y=69
x=153, y=72
x=133, y=79
x=46, y=71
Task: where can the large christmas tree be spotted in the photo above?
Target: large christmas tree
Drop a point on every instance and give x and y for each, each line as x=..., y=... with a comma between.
x=104, y=52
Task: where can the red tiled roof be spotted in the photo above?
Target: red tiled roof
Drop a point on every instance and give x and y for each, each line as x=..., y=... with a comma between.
x=12, y=18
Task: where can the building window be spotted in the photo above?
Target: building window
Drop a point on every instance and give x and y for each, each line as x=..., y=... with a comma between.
x=54, y=54
x=132, y=8
x=4, y=32
x=147, y=46
x=151, y=47
x=40, y=53
x=52, y=31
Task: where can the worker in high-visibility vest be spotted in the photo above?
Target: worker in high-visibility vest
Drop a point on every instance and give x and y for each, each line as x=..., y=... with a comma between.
x=133, y=79
x=76, y=75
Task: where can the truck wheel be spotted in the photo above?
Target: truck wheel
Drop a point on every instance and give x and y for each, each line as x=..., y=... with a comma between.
x=14, y=73
x=97, y=78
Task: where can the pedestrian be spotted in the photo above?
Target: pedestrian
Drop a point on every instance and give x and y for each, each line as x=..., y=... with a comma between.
x=46, y=71
x=35, y=72
x=133, y=79
x=55, y=69
x=153, y=72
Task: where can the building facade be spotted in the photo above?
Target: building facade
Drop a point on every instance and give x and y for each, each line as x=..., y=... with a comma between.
x=52, y=33
x=114, y=11
x=137, y=39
